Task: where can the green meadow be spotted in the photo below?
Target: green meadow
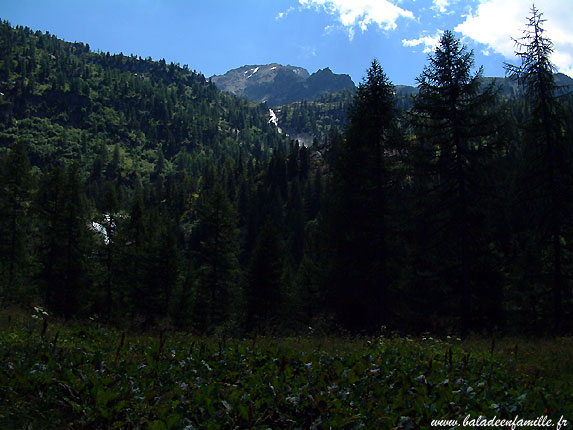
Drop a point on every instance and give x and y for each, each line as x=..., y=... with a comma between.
x=90, y=376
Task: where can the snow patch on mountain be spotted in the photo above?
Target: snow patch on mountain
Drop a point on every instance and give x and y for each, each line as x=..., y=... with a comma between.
x=252, y=72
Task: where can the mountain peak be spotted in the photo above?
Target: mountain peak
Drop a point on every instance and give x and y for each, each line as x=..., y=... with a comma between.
x=276, y=84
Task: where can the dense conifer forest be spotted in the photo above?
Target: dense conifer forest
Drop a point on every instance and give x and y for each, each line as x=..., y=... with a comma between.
x=135, y=192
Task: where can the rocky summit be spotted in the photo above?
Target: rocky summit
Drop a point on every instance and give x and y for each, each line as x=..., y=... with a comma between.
x=277, y=85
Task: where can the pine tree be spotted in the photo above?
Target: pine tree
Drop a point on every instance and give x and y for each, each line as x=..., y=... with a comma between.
x=294, y=223
x=547, y=158
x=110, y=223
x=134, y=240
x=218, y=270
x=358, y=211
x=161, y=269
x=16, y=180
x=453, y=122
x=65, y=238
x=264, y=281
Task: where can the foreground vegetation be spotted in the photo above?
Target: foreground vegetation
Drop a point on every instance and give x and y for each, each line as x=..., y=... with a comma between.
x=92, y=376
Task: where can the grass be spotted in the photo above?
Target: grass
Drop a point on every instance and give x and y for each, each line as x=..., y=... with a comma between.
x=549, y=358
x=91, y=376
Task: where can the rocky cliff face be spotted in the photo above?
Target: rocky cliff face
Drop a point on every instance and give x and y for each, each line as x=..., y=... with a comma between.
x=276, y=84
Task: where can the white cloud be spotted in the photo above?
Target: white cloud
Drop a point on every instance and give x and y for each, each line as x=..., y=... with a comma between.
x=440, y=5
x=429, y=42
x=281, y=15
x=329, y=29
x=351, y=33
x=361, y=13
x=495, y=23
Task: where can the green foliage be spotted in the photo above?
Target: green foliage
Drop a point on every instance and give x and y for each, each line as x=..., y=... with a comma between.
x=67, y=102
x=95, y=377
x=135, y=190
x=455, y=124
x=15, y=195
x=359, y=212
x=265, y=281
x=65, y=240
x=218, y=269
x=312, y=121
x=547, y=157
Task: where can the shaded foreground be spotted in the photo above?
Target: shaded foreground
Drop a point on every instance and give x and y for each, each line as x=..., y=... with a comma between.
x=91, y=376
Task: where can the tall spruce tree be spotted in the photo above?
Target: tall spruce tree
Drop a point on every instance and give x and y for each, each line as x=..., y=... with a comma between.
x=16, y=181
x=133, y=241
x=358, y=210
x=110, y=223
x=65, y=239
x=218, y=270
x=453, y=124
x=264, y=281
x=547, y=158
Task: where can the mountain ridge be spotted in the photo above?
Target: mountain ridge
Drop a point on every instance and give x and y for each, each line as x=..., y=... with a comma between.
x=276, y=84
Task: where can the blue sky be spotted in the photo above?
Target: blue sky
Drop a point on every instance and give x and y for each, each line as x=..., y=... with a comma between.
x=213, y=36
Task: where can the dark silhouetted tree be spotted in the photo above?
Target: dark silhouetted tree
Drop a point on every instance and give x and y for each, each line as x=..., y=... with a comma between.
x=15, y=194
x=218, y=267
x=359, y=208
x=65, y=238
x=264, y=281
x=547, y=158
x=453, y=123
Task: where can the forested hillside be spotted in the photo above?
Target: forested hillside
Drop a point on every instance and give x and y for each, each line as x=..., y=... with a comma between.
x=68, y=102
x=312, y=122
x=133, y=187
x=136, y=192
